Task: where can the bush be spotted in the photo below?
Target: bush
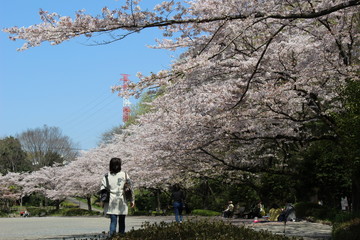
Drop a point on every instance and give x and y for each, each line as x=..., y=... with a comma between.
x=203, y=212
x=201, y=229
x=74, y=212
x=41, y=212
x=4, y=214
x=343, y=216
x=38, y=212
x=314, y=212
x=306, y=209
x=347, y=231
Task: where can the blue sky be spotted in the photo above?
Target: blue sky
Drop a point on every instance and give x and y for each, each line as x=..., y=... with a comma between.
x=68, y=85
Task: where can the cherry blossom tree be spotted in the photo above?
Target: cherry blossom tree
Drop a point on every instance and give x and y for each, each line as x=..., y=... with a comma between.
x=47, y=181
x=255, y=75
x=82, y=177
x=11, y=187
x=238, y=99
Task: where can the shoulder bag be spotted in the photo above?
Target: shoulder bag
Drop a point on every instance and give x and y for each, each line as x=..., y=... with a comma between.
x=105, y=193
x=127, y=191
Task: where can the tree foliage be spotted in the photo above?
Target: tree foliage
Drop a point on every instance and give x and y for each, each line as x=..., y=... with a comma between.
x=46, y=146
x=12, y=157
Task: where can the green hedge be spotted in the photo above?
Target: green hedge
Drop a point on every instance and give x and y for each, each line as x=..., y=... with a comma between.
x=347, y=231
x=74, y=212
x=197, y=230
x=203, y=212
x=38, y=212
x=42, y=212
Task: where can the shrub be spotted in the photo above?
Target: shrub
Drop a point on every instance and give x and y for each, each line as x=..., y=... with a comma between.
x=203, y=212
x=347, y=231
x=201, y=229
x=343, y=216
x=314, y=212
x=41, y=212
x=74, y=212
x=4, y=214
x=306, y=209
x=37, y=212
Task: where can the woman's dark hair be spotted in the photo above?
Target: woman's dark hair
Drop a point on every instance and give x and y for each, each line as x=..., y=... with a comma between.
x=115, y=165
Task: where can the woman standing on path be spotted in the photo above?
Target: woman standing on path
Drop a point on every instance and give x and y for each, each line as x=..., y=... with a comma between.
x=117, y=207
x=178, y=198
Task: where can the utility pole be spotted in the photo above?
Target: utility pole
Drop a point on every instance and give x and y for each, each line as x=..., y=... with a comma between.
x=126, y=101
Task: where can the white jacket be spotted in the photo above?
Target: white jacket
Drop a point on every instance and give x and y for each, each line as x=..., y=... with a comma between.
x=117, y=204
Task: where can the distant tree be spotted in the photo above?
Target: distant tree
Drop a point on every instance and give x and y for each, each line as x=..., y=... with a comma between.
x=144, y=105
x=46, y=146
x=12, y=157
x=108, y=136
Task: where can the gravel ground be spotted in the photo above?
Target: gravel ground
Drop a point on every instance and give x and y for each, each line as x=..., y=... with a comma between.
x=66, y=228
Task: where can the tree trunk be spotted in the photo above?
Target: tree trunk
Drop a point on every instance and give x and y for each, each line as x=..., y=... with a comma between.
x=355, y=200
x=158, y=200
x=88, y=199
x=205, y=196
x=57, y=204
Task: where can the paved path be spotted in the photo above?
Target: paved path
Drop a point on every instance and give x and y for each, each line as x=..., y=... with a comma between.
x=63, y=227
x=60, y=228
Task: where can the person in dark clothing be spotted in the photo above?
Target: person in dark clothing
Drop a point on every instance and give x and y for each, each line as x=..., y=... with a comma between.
x=178, y=199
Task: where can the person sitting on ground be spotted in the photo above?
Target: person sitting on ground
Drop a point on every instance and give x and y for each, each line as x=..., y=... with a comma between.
x=261, y=209
x=26, y=214
x=274, y=212
x=228, y=213
x=288, y=214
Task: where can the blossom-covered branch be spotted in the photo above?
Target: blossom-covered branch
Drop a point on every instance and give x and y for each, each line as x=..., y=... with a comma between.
x=56, y=28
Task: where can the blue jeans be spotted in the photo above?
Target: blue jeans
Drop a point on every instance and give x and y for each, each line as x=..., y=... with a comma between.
x=113, y=222
x=178, y=207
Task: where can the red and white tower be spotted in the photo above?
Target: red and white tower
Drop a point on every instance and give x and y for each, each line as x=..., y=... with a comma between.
x=126, y=101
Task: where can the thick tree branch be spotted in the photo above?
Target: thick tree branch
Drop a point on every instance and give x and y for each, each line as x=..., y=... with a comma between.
x=307, y=15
